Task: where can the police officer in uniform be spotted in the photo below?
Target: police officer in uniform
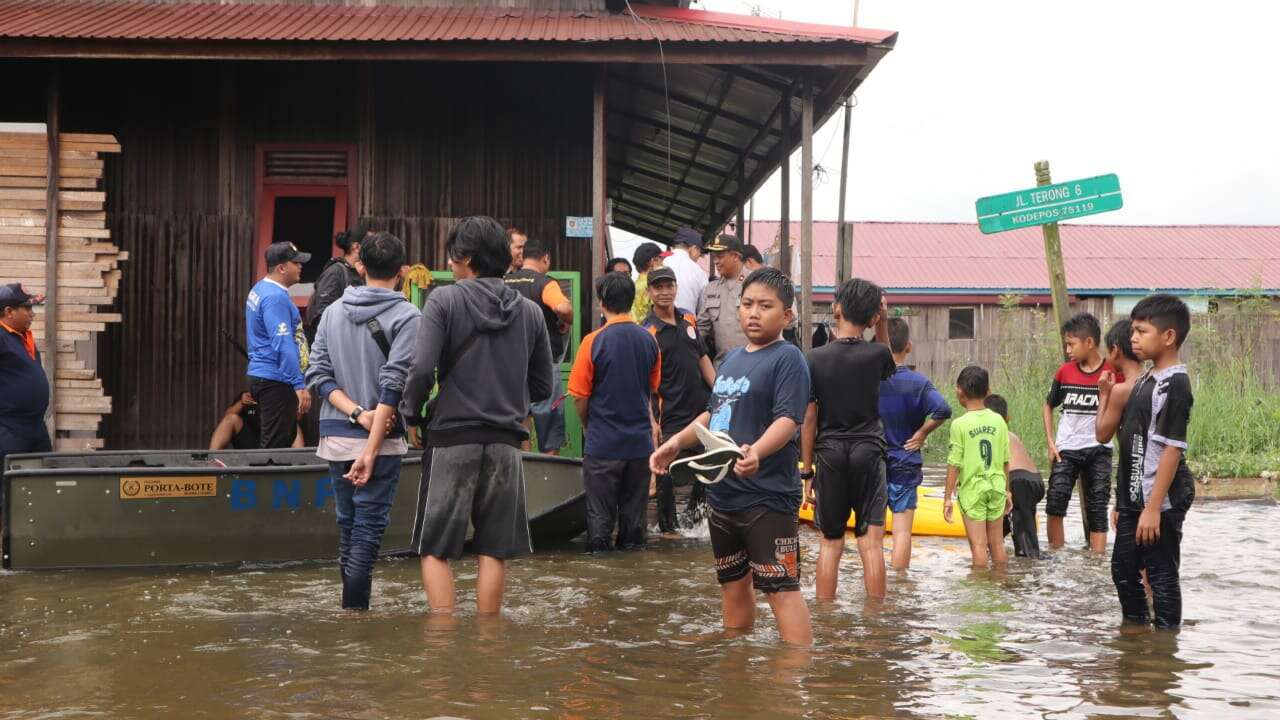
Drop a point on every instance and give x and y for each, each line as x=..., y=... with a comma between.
x=718, y=307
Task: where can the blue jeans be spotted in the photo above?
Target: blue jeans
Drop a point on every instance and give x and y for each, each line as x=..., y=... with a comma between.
x=363, y=514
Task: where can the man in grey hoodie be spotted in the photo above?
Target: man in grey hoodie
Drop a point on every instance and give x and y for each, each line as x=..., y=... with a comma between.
x=489, y=345
x=359, y=364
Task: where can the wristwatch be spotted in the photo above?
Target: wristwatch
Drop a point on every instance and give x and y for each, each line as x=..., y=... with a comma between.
x=354, y=417
x=806, y=474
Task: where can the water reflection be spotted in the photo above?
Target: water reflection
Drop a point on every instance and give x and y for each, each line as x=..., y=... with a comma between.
x=1145, y=672
x=638, y=635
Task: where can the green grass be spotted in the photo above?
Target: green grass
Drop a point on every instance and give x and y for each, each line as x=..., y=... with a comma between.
x=1235, y=423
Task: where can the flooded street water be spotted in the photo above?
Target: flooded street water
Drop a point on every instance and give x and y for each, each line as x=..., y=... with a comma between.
x=637, y=636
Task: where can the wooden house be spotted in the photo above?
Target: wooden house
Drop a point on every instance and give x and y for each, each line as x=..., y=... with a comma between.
x=240, y=123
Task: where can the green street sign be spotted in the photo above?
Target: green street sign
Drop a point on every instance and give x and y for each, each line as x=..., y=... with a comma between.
x=1049, y=203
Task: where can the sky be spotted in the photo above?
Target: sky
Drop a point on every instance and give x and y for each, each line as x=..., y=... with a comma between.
x=1176, y=98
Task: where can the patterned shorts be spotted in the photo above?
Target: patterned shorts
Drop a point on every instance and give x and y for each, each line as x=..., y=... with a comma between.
x=760, y=541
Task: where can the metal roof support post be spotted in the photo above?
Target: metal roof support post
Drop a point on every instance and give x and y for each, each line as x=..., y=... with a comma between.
x=806, y=218
x=51, y=222
x=741, y=229
x=784, y=225
x=600, y=236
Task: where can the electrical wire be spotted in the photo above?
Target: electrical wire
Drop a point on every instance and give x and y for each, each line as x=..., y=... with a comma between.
x=662, y=60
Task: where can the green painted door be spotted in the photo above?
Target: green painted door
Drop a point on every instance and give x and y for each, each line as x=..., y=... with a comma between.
x=571, y=284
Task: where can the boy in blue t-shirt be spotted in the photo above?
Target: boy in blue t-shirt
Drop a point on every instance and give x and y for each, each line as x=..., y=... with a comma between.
x=760, y=397
x=911, y=408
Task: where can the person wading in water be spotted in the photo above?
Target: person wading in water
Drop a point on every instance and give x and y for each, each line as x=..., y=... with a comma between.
x=687, y=377
x=491, y=349
x=359, y=364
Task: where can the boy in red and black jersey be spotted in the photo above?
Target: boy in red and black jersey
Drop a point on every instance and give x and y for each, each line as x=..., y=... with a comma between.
x=1074, y=451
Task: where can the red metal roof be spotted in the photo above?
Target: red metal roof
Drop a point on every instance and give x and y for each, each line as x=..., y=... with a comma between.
x=1100, y=259
x=136, y=20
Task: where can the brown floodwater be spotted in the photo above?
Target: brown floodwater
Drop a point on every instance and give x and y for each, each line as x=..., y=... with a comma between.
x=637, y=636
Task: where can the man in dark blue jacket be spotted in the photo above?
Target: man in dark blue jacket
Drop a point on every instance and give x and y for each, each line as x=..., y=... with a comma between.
x=272, y=325
x=24, y=388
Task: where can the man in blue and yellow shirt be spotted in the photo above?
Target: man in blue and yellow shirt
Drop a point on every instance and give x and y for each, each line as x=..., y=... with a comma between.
x=275, y=356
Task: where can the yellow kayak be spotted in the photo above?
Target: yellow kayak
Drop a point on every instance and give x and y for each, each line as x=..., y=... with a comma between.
x=928, y=517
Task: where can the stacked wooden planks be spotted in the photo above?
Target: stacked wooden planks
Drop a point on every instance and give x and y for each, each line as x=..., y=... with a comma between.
x=88, y=263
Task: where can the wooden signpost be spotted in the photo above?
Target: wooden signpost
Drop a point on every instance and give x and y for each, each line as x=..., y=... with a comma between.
x=1045, y=205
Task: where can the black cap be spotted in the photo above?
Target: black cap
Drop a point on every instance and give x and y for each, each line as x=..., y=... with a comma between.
x=12, y=295
x=645, y=255
x=663, y=273
x=281, y=252
x=687, y=236
x=726, y=243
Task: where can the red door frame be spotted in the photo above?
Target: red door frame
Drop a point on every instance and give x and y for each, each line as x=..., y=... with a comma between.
x=266, y=190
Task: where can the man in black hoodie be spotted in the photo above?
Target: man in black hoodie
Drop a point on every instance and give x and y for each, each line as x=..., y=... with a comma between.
x=490, y=347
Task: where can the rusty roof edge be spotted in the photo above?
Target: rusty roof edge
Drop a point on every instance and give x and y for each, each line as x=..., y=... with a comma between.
x=756, y=23
x=650, y=22
x=612, y=51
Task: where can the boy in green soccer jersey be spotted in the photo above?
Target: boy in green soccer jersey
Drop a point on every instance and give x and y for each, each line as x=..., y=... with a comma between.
x=979, y=461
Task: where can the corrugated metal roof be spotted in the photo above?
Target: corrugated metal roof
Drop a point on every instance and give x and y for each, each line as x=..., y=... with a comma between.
x=957, y=256
x=134, y=20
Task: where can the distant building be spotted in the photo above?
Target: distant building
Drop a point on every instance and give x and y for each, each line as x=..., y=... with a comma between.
x=949, y=279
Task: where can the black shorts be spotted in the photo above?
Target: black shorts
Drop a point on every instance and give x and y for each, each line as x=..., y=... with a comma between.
x=472, y=485
x=850, y=477
x=760, y=541
x=1093, y=466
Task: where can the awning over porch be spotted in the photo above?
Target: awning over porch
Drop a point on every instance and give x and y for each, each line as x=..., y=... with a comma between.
x=696, y=102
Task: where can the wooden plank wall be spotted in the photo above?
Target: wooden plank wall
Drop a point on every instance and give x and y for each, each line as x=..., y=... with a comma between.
x=940, y=358
x=435, y=141
x=88, y=264
x=510, y=144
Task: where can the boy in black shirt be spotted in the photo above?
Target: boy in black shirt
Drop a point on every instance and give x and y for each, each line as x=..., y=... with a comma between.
x=1154, y=487
x=842, y=428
